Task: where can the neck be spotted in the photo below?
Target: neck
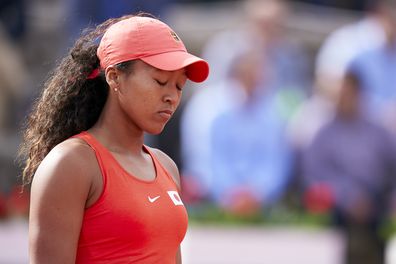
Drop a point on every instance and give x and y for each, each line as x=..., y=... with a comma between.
x=114, y=130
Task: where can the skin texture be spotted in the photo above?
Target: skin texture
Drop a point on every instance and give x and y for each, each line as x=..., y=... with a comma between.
x=69, y=180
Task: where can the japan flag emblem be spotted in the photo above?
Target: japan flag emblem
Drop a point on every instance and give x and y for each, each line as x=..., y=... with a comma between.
x=175, y=197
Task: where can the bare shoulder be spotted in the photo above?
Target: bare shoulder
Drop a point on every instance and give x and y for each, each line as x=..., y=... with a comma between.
x=169, y=164
x=59, y=193
x=67, y=164
x=69, y=155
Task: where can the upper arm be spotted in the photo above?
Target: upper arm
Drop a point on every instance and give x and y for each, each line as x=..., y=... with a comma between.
x=59, y=191
x=169, y=165
x=178, y=256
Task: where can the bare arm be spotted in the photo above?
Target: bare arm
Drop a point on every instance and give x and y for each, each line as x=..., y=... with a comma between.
x=178, y=257
x=59, y=193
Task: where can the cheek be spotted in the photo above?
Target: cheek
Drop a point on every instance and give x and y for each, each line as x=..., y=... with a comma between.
x=140, y=103
x=147, y=101
x=139, y=96
x=135, y=92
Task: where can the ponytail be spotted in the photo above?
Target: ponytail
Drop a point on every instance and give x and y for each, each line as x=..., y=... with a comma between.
x=70, y=101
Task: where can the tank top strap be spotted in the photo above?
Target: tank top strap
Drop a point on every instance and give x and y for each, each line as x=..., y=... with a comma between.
x=100, y=153
x=162, y=171
x=93, y=143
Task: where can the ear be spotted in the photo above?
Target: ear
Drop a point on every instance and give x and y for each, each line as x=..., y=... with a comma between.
x=112, y=77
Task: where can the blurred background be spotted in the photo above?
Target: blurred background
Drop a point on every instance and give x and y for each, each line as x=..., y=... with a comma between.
x=287, y=153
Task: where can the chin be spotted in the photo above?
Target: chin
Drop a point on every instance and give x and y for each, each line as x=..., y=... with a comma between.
x=155, y=131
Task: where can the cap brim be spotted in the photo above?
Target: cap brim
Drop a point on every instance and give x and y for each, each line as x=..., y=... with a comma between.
x=197, y=69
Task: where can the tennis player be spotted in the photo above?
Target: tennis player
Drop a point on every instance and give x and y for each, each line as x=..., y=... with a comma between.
x=98, y=194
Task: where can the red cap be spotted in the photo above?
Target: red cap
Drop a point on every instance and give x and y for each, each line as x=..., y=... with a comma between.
x=151, y=41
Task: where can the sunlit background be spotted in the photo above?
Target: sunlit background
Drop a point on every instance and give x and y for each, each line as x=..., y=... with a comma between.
x=286, y=153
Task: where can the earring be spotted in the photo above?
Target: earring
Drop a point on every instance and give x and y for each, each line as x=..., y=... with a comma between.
x=115, y=89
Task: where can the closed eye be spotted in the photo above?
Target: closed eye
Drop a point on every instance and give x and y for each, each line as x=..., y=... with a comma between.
x=180, y=88
x=161, y=83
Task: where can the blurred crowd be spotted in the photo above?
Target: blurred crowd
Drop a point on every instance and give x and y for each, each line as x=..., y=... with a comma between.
x=275, y=120
x=264, y=127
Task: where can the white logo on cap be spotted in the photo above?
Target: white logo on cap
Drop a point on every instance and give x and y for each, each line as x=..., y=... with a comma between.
x=175, y=36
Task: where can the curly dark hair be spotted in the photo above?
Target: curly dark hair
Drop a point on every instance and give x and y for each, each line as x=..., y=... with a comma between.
x=70, y=102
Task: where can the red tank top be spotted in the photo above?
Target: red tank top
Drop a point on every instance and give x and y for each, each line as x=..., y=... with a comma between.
x=133, y=221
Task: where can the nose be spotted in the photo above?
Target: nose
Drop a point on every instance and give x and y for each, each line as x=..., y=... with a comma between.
x=172, y=95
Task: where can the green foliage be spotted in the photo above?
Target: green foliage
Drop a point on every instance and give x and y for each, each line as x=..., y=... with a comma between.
x=210, y=214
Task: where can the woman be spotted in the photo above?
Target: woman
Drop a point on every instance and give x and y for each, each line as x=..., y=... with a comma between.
x=98, y=194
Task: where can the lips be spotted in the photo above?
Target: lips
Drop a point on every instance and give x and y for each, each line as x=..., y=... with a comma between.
x=167, y=114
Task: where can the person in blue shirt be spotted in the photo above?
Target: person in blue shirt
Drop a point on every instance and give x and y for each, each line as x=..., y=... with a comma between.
x=251, y=159
x=376, y=71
